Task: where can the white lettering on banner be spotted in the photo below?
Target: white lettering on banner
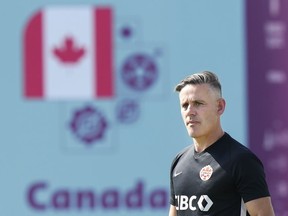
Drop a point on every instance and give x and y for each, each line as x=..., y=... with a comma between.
x=275, y=34
x=41, y=197
x=276, y=77
x=273, y=138
x=184, y=202
x=274, y=7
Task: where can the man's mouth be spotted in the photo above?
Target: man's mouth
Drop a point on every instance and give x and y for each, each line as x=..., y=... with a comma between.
x=192, y=123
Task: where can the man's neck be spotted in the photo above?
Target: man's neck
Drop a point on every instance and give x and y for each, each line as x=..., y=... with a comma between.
x=203, y=142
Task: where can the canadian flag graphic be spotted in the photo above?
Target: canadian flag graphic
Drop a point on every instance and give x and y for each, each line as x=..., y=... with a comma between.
x=68, y=53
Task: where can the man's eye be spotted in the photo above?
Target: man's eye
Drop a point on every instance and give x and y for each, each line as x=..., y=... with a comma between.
x=198, y=103
x=185, y=106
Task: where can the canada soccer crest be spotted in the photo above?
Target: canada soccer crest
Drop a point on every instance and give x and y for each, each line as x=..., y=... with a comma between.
x=206, y=173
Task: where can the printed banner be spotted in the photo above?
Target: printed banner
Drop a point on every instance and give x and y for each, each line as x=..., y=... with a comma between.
x=68, y=53
x=268, y=91
x=94, y=125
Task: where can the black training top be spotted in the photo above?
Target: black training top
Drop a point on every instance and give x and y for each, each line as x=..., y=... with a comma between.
x=217, y=181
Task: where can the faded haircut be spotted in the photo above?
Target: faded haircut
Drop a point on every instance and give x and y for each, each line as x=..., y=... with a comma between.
x=205, y=77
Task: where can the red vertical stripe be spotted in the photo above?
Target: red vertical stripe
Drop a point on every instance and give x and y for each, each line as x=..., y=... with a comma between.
x=33, y=61
x=104, y=86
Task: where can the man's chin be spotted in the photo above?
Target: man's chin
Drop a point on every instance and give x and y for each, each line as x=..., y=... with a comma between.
x=192, y=134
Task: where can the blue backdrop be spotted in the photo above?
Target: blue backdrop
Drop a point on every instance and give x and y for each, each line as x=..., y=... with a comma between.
x=111, y=156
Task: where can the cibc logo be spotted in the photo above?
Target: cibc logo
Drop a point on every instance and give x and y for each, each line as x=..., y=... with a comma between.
x=203, y=203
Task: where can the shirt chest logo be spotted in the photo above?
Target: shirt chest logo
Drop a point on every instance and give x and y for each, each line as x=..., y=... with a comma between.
x=206, y=173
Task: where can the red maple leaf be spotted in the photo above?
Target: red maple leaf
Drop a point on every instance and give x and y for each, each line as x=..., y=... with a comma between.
x=69, y=53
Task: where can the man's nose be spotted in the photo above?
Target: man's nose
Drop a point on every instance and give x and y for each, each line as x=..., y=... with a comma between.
x=191, y=110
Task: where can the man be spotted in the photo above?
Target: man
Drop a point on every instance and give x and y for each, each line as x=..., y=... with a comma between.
x=216, y=175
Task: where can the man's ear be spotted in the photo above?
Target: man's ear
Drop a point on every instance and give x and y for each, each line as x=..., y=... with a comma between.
x=221, y=106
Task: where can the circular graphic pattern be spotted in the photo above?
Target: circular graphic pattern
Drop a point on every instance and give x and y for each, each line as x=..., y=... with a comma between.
x=128, y=111
x=88, y=125
x=139, y=72
x=126, y=32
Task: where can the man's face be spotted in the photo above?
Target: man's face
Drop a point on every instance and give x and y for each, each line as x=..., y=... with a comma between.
x=201, y=108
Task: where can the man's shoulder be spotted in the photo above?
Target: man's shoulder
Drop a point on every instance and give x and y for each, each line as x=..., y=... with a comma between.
x=240, y=153
x=235, y=146
x=229, y=152
x=181, y=153
x=184, y=151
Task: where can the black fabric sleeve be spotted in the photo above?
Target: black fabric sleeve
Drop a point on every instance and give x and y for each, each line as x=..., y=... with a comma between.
x=172, y=193
x=173, y=165
x=249, y=177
